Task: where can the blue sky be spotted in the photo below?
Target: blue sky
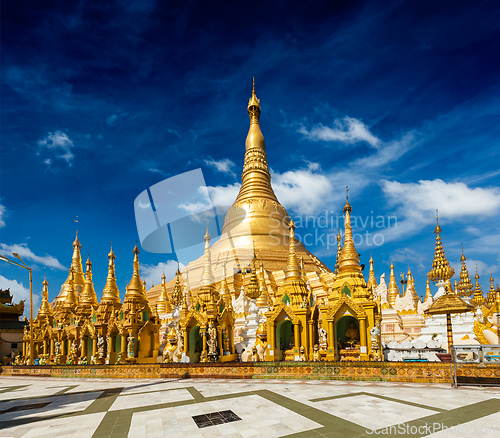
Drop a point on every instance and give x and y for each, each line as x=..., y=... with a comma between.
x=398, y=100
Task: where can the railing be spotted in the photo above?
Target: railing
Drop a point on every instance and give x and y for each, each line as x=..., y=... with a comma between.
x=472, y=354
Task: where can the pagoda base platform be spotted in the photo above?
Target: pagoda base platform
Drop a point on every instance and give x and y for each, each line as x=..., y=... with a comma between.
x=427, y=372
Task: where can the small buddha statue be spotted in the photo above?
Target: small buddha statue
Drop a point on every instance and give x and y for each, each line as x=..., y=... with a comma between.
x=352, y=335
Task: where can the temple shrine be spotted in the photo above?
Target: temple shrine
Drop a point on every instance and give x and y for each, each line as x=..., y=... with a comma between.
x=258, y=294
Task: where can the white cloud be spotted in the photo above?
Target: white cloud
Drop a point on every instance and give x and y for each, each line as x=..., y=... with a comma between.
x=306, y=190
x=224, y=195
x=59, y=140
x=224, y=166
x=416, y=204
x=347, y=130
x=452, y=199
x=20, y=292
x=3, y=213
x=152, y=273
x=26, y=254
x=407, y=255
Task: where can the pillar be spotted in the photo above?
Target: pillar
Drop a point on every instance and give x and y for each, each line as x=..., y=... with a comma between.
x=186, y=340
x=123, y=345
x=219, y=340
x=449, y=332
x=204, y=339
x=44, y=346
x=296, y=335
x=52, y=347
x=63, y=347
x=83, y=353
x=362, y=337
x=331, y=336
x=94, y=345
x=311, y=339
x=24, y=348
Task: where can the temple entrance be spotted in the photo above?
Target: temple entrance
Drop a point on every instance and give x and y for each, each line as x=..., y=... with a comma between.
x=284, y=332
x=347, y=332
x=195, y=344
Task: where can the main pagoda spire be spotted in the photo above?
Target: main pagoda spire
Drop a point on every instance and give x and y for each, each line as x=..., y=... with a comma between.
x=256, y=179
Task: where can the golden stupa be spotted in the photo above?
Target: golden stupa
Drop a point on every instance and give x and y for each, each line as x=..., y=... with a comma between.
x=256, y=226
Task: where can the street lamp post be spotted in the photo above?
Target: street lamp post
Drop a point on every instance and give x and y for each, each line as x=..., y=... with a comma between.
x=25, y=266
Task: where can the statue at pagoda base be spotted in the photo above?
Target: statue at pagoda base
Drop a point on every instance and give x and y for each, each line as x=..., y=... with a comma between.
x=172, y=353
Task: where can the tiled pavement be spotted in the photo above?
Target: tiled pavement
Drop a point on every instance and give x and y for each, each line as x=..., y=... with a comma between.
x=35, y=407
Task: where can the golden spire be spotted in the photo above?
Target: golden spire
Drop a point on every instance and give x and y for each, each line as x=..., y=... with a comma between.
x=428, y=293
x=465, y=287
x=111, y=292
x=177, y=295
x=393, y=290
x=135, y=288
x=339, y=250
x=71, y=299
x=455, y=286
x=263, y=300
x=478, y=299
x=253, y=288
x=293, y=267
x=45, y=309
x=491, y=297
x=349, y=258
x=411, y=288
x=224, y=288
x=163, y=303
x=256, y=179
x=88, y=296
x=76, y=263
x=372, y=281
x=441, y=269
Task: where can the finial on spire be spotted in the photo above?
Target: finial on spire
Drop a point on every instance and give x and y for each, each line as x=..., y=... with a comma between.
x=254, y=105
x=347, y=206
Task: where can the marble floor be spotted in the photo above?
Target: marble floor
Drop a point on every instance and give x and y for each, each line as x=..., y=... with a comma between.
x=63, y=408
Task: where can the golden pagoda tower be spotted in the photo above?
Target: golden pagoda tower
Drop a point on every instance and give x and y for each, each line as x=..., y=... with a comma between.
x=491, y=297
x=256, y=224
x=76, y=272
x=45, y=316
x=137, y=320
x=88, y=297
x=465, y=287
x=264, y=299
x=372, y=281
x=441, y=269
x=292, y=305
x=392, y=290
x=163, y=303
x=351, y=311
x=477, y=299
x=253, y=290
x=349, y=278
x=111, y=293
x=177, y=296
x=339, y=250
x=428, y=293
